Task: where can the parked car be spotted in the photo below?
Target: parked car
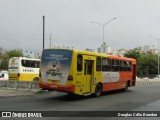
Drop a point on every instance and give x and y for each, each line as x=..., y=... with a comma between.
x=4, y=75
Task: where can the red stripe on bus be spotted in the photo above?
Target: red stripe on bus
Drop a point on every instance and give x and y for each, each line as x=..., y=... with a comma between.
x=65, y=88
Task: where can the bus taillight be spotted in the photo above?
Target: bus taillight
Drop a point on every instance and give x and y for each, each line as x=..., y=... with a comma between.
x=70, y=77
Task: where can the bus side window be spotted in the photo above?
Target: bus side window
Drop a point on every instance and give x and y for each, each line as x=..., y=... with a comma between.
x=37, y=64
x=115, y=65
x=124, y=65
x=32, y=64
x=109, y=65
x=129, y=66
x=98, y=64
x=79, y=63
x=121, y=65
x=23, y=63
x=27, y=63
x=106, y=64
x=112, y=64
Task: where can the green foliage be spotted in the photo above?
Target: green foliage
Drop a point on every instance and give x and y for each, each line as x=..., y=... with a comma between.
x=133, y=54
x=146, y=63
x=7, y=55
x=1, y=52
x=4, y=63
x=15, y=53
x=40, y=91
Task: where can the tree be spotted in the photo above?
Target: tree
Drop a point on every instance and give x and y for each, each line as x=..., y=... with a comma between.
x=2, y=51
x=15, y=53
x=133, y=54
x=9, y=54
x=146, y=62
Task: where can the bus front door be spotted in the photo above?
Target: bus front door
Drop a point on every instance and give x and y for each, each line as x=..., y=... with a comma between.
x=88, y=71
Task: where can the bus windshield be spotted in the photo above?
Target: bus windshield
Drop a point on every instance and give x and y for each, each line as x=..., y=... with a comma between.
x=55, y=65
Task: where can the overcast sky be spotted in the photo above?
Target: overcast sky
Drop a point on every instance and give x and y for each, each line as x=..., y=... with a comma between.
x=70, y=23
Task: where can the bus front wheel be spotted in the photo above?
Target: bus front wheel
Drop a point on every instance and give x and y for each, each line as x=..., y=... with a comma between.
x=98, y=90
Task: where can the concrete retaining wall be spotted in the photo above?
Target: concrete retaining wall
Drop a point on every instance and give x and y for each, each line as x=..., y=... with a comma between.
x=14, y=84
x=148, y=82
x=30, y=85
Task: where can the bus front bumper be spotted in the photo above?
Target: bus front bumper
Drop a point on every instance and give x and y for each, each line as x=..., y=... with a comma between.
x=64, y=88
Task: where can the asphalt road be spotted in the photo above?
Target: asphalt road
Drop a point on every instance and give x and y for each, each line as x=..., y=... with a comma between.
x=140, y=98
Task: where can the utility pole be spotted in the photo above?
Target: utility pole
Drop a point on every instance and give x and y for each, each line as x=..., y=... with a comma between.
x=43, y=30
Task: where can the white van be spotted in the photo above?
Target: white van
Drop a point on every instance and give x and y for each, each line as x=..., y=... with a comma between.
x=4, y=75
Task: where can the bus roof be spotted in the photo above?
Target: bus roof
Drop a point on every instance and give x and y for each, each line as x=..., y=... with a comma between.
x=79, y=51
x=25, y=58
x=121, y=58
x=96, y=54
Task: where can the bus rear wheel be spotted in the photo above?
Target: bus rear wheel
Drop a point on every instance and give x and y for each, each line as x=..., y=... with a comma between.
x=98, y=90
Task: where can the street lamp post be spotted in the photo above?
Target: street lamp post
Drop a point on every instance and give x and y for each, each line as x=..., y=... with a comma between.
x=103, y=25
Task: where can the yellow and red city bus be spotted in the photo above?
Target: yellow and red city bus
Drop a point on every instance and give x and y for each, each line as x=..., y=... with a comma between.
x=85, y=73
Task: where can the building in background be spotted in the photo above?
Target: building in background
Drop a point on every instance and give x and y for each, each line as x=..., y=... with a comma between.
x=104, y=48
x=118, y=52
x=31, y=54
x=147, y=49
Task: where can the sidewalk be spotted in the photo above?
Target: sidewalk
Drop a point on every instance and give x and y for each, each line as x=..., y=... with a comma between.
x=14, y=92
